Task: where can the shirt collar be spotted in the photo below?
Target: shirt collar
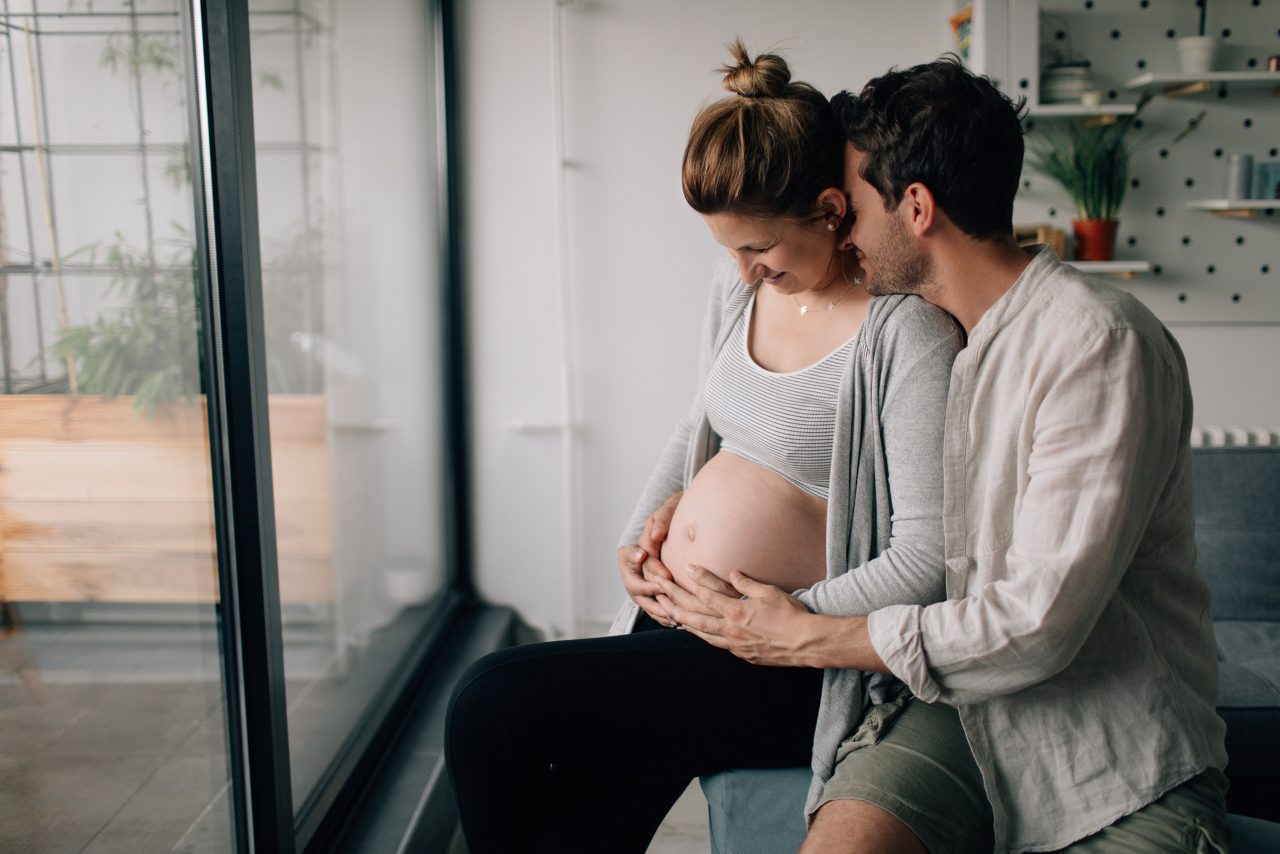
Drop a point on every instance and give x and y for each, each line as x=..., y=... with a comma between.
x=1043, y=262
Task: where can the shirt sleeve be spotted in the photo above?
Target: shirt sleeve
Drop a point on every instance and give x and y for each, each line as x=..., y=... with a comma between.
x=1105, y=434
x=667, y=477
x=911, y=423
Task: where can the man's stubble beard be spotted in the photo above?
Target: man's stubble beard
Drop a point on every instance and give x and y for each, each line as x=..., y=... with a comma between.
x=900, y=268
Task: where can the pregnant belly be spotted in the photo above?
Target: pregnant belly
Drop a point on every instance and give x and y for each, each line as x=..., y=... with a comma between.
x=739, y=515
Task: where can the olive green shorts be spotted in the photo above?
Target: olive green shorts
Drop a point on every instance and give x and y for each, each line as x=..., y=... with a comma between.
x=912, y=760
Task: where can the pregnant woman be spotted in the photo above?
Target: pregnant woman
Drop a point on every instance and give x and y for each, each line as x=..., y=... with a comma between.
x=810, y=459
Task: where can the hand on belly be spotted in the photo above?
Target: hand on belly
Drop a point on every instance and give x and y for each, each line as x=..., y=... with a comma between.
x=738, y=515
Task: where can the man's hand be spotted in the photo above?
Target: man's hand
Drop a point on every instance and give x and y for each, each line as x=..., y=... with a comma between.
x=769, y=626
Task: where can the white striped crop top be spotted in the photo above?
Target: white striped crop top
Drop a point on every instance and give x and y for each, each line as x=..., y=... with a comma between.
x=782, y=421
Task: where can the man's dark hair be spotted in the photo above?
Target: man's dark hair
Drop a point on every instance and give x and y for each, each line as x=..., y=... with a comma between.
x=946, y=127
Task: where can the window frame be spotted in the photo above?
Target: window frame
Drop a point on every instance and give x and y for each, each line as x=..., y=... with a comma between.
x=231, y=317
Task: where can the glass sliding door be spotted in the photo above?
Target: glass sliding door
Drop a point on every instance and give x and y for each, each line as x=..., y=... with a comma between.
x=112, y=725
x=344, y=109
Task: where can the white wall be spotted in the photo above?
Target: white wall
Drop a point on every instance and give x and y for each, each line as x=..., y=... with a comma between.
x=1233, y=373
x=638, y=261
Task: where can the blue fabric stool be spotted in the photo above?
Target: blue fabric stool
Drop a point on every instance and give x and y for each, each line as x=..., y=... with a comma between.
x=759, y=812
x=1253, y=835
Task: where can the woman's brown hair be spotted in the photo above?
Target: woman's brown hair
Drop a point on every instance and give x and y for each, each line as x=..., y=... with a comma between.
x=767, y=150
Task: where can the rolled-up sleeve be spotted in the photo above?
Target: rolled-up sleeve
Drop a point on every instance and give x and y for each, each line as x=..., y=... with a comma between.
x=1106, y=429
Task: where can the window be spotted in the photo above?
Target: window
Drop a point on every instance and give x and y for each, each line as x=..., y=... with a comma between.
x=228, y=498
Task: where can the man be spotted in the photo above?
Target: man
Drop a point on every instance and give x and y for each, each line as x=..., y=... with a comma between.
x=1076, y=641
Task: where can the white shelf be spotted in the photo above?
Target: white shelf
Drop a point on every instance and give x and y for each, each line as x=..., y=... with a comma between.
x=1073, y=111
x=1244, y=208
x=1235, y=204
x=1127, y=269
x=1176, y=83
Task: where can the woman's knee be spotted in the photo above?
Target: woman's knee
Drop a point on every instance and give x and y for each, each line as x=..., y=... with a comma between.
x=484, y=691
x=505, y=691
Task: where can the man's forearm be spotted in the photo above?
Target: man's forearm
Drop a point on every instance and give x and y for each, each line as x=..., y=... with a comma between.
x=840, y=642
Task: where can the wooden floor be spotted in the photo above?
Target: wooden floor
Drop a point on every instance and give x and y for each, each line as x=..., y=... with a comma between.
x=685, y=830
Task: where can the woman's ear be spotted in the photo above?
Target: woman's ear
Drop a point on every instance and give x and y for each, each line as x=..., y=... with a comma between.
x=832, y=203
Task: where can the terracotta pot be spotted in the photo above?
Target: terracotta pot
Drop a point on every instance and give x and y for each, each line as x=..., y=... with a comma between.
x=1095, y=239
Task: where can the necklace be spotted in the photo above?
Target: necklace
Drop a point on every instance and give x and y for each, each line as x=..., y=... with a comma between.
x=804, y=309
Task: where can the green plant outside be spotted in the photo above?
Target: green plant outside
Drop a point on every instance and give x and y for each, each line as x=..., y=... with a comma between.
x=151, y=344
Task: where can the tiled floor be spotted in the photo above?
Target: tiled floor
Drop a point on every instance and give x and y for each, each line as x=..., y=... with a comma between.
x=112, y=736
x=105, y=745
x=108, y=743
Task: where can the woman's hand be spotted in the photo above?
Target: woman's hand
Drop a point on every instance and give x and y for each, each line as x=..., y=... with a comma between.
x=655, y=534
x=631, y=563
x=641, y=566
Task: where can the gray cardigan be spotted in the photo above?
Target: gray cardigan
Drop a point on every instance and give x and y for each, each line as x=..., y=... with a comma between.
x=883, y=548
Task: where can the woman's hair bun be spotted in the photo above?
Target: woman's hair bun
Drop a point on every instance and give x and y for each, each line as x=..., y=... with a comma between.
x=766, y=76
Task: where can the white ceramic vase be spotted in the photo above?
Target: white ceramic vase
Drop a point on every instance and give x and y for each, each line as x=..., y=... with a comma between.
x=1198, y=54
x=410, y=580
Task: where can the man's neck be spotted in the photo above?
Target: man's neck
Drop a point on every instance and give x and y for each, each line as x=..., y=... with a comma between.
x=971, y=276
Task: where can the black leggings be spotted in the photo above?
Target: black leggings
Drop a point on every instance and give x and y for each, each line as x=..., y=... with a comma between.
x=584, y=745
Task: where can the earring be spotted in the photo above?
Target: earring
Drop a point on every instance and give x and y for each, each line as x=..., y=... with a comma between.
x=857, y=280
x=831, y=226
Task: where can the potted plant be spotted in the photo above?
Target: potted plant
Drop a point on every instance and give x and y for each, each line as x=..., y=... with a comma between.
x=1090, y=160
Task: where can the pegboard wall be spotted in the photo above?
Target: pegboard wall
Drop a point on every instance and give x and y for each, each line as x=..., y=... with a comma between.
x=1206, y=269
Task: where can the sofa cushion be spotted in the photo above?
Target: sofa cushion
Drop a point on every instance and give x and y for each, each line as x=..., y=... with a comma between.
x=1249, y=659
x=1237, y=495
x=1249, y=696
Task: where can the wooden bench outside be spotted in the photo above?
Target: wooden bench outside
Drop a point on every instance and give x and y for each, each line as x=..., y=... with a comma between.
x=100, y=503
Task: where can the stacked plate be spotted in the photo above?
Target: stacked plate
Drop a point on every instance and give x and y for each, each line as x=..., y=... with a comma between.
x=1064, y=84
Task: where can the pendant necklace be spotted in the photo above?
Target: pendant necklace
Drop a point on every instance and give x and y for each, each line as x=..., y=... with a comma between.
x=804, y=309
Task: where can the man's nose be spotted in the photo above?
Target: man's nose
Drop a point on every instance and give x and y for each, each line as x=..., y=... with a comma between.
x=847, y=241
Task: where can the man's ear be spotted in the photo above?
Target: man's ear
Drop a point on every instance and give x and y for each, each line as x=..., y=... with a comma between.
x=919, y=209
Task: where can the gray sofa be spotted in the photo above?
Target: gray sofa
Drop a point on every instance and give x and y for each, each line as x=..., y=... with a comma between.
x=1238, y=538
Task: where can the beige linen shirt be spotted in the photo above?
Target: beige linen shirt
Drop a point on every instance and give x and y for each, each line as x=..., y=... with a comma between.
x=1076, y=639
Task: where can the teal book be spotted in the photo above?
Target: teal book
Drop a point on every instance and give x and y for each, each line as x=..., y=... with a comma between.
x=1266, y=180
